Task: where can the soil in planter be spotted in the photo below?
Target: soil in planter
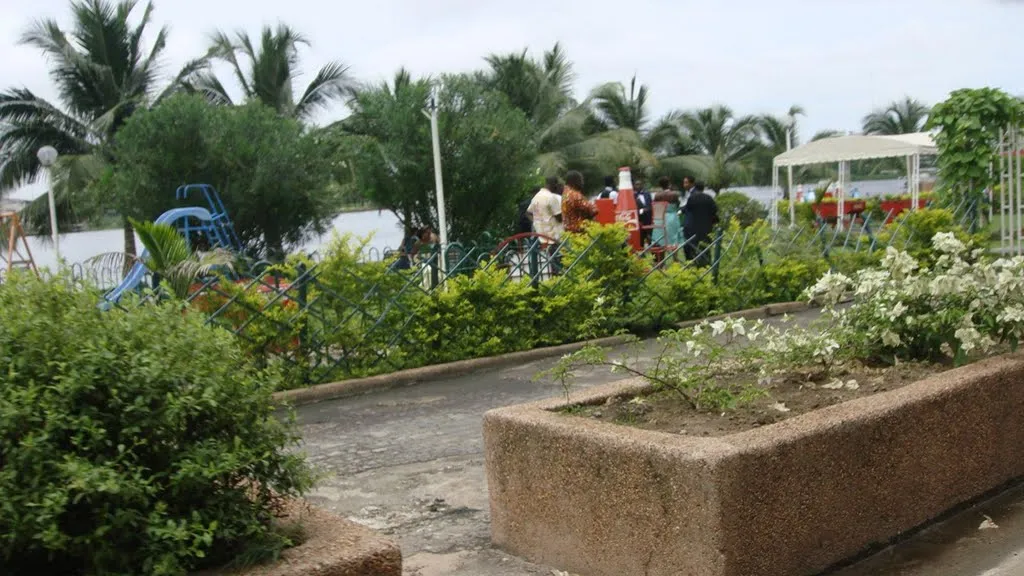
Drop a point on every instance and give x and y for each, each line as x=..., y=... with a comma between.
x=791, y=394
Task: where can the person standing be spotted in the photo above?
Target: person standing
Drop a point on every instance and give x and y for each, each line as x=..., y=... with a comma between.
x=576, y=210
x=609, y=191
x=670, y=232
x=645, y=212
x=525, y=223
x=700, y=218
x=546, y=211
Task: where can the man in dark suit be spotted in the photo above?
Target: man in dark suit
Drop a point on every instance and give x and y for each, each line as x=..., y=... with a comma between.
x=645, y=210
x=701, y=216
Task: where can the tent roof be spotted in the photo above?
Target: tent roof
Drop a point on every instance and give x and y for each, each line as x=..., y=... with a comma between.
x=859, y=147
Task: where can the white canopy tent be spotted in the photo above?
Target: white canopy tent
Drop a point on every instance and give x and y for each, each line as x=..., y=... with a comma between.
x=845, y=149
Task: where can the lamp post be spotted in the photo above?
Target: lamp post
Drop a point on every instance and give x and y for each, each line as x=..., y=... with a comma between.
x=442, y=219
x=48, y=157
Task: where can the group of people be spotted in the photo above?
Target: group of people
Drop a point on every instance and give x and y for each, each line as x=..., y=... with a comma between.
x=667, y=217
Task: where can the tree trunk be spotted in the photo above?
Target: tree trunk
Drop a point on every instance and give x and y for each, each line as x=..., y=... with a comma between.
x=129, y=238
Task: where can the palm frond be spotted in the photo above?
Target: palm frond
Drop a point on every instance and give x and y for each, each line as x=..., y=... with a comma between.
x=166, y=248
x=331, y=83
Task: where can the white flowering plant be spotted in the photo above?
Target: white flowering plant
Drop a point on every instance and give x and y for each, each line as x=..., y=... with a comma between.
x=690, y=362
x=959, y=306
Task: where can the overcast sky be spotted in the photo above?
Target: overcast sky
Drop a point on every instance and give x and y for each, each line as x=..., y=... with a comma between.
x=836, y=58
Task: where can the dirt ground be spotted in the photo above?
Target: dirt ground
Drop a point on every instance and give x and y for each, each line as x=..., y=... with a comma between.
x=786, y=396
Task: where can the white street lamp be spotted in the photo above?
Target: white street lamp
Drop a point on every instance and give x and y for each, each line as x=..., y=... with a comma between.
x=442, y=219
x=48, y=157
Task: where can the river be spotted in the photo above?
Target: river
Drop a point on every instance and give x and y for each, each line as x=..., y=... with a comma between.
x=78, y=247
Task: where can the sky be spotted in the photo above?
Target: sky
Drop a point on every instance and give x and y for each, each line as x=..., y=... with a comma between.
x=838, y=59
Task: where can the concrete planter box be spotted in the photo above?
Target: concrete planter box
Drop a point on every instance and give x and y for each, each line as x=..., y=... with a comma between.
x=789, y=499
x=334, y=546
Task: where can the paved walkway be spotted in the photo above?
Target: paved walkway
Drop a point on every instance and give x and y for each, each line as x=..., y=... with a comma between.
x=409, y=462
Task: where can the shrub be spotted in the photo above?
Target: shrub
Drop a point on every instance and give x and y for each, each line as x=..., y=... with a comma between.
x=957, y=307
x=673, y=294
x=738, y=205
x=134, y=441
x=913, y=232
x=480, y=315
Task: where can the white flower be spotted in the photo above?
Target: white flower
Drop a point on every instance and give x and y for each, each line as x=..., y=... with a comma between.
x=946, y=243
x=1011, y=314
x=891, y=339
x=897, y=311
x=717, y=328
x=829, y=289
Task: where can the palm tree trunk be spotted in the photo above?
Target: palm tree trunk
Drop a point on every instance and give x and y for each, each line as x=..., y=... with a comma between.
x=129, y=238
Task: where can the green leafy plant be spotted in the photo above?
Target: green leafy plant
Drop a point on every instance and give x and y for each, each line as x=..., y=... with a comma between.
x=968, y=124
x=135, y=441
x=169, y=257
x=732, y=204
x=690, y=363
x=956, y=306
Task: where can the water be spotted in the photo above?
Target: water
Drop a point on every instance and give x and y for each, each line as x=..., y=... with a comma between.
x=80, y=246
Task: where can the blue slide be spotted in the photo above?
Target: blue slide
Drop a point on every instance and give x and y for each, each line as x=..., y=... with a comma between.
x=139, y=270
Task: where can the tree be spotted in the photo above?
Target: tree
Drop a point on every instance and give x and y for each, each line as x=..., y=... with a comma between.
x=905, y=116
x=772, y=131
x=723, y=144
x=267, y=72
x=487, y=147
x=969, y=125
x=104, y=74
x=271, y=173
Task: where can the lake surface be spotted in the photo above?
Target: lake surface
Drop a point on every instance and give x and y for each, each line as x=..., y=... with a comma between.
x=383, y=225
x=78, y=247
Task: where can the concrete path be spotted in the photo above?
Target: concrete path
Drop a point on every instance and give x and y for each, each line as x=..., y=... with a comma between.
x=409, y=462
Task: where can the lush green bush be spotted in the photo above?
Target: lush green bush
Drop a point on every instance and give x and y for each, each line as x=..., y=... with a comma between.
x=134, y=441
x=913, y=232
x=738, y=205
x=804, y=212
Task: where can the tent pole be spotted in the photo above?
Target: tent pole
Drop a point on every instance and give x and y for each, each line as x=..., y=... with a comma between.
x=789, y=179
x=773, y=209
x=841, y=195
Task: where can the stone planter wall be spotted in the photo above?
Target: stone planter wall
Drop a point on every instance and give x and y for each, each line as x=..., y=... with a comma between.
x=333, y=546
x=788, y=499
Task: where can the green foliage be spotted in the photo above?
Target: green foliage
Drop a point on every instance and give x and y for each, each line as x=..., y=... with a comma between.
x=135, y=441
x=480, y=315
x=168, y=256
x=390, y=146
x=738, y=205
x=672, y=294
x=912, y=232
x=968, y=124
x=601, y=254
x=804, y=212
x=272, y=176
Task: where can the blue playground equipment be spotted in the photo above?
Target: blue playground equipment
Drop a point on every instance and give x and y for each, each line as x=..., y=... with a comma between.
x=213, y=223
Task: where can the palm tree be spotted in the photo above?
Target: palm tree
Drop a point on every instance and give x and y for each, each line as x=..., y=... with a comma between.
x=905, y=116
x=103, y=73
x=266, y=73
x=542, y=89
x=721, y=146
x=168, y=255
x=614, y=108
